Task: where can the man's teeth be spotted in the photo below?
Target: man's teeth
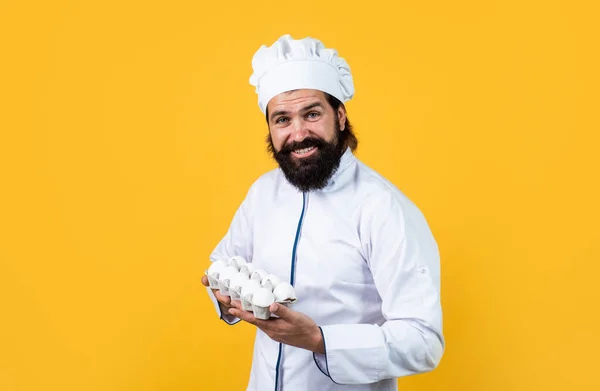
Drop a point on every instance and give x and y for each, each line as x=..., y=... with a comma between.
x=303, y=151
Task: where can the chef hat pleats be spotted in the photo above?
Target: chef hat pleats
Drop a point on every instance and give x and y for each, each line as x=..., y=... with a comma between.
x=291, y=64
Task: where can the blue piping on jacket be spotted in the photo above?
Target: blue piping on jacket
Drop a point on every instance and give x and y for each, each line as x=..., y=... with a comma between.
x=292, y=280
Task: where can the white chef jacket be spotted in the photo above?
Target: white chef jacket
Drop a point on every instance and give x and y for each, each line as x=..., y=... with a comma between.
x=365, y=268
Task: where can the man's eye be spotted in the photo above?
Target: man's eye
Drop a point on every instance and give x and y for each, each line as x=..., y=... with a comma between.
x=281, y=120
x=313, y=114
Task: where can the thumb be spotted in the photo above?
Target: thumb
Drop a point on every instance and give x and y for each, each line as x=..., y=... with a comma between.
x=282, y=311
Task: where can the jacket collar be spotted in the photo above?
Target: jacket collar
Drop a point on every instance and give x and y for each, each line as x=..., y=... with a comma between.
x=346, y=161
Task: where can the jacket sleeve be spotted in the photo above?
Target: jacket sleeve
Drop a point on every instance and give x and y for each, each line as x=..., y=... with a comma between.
x=236, y=241
x=404, y=261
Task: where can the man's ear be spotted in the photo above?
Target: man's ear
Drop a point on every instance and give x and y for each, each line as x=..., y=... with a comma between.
x=342, y=117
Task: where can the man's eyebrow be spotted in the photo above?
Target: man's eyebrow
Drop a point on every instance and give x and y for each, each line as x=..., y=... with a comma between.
x=312, y=106
x=304, y=109
x=278, y=112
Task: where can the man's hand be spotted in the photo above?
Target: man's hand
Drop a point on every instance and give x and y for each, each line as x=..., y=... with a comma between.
x=225, y=301
x=291, y=328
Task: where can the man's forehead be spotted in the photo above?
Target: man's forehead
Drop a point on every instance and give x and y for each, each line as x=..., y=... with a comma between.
x=296, y=99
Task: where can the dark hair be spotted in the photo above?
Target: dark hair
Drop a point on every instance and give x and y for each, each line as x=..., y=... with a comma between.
x=347, y=137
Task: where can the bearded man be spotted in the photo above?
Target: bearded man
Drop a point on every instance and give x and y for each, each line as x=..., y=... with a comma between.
x=360, y=255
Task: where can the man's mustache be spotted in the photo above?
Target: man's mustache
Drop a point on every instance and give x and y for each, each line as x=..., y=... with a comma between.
x=306, y=143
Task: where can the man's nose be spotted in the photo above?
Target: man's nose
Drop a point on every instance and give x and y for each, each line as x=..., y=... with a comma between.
x=299, y=130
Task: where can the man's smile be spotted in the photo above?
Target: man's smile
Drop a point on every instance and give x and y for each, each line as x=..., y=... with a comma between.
x=304, y=152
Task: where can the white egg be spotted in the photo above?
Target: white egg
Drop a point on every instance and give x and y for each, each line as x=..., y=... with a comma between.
x=227, y=273
x=259, y=274
x=216, y=267
x=237, y=261
x=213, y=273
x=284, y=292
x=225, y=277
x=245, y=272
x=235, y=285
x=270, y=281
x=249, y=287
x=248, y=268
x=263, y=297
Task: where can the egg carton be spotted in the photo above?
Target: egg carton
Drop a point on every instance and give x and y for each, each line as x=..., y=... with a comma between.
x=255, y=288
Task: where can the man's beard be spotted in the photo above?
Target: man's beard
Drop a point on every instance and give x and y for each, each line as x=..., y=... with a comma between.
x=312, y=172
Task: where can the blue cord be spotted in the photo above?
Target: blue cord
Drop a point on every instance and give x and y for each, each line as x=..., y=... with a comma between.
x=292, y=278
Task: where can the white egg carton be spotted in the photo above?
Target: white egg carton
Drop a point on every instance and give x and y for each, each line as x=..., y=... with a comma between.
x=255, y=288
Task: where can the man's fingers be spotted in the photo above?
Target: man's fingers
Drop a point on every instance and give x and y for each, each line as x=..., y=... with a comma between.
x=243, y=315
x=205, y=280
x=282, y=311
x=224, y=299
x=264, y=325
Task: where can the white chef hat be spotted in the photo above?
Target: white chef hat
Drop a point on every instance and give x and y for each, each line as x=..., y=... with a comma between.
x=291, y=64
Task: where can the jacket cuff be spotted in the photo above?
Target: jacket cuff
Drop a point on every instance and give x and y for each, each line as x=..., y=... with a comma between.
x=321, y=359
x=222, y=311
x=353, y=353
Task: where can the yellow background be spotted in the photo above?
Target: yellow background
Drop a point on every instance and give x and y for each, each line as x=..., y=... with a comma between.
x=129, y=134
